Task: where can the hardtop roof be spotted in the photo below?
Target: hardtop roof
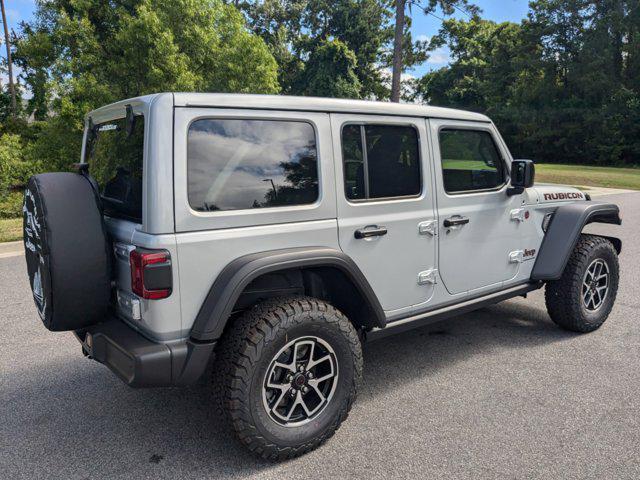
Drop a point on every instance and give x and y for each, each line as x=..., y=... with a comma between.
x=314, y=104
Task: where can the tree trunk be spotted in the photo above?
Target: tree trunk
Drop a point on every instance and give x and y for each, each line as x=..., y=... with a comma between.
x=397, y=51
x=12, y=88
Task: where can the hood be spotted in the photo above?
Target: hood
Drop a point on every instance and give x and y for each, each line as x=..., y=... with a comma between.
x=551, y=193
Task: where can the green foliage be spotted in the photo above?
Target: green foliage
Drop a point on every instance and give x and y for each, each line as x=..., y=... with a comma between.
x=331, y=72
x=79, y=55
x=295, y=29
x=562, y=87
x=15, y=170
x=11, y=207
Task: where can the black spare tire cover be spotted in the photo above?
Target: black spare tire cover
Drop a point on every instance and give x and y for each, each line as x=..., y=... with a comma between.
x=67, y=252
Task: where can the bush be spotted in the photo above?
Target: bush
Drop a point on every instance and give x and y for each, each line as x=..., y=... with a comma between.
x=15, y=170
x=11, y=205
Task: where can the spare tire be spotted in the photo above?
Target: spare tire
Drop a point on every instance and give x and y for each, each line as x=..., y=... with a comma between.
x=67, y=251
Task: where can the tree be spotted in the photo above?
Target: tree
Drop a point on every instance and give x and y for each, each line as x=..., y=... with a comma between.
x=81, y=55
x=295, y=28
x=561, y=86
x=397, y=51
x=399, y=62
x=330, y=72
x=12, y=88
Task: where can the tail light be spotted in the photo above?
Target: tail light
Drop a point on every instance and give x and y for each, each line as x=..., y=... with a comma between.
x=151, y=276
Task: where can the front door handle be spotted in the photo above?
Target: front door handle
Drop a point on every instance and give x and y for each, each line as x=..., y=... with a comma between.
x=455, y=221
x=368, y=232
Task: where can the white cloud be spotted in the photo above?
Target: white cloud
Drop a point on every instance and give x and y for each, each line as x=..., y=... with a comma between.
x=440, y=56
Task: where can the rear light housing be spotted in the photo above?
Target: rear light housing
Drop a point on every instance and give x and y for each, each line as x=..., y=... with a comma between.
x=151, y=276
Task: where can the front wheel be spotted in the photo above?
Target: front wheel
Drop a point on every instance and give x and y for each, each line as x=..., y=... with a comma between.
x=583, y=297
x=286, y=375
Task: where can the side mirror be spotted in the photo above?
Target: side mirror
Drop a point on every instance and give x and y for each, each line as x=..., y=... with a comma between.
x=523, y=173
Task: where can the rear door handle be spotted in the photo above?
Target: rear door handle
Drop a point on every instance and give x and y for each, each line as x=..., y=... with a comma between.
x=368, y=232
x=455, y=221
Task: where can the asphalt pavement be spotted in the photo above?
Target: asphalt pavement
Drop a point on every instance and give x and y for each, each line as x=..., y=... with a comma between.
x=498, y=393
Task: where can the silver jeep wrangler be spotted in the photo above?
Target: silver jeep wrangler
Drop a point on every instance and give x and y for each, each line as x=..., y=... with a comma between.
x=259, y=240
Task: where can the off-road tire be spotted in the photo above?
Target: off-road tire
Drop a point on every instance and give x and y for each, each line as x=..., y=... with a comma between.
x=243, y=357
x=564, y=296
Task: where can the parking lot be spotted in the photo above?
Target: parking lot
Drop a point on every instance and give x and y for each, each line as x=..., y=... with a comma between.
x=498, y=393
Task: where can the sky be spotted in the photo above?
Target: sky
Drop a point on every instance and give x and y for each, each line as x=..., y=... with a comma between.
x=423, y=26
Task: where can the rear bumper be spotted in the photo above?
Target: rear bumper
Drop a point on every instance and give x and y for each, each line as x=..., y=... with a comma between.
x=141, y=362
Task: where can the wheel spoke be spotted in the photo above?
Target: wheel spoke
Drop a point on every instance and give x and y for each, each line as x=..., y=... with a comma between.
x=295, y=403
x=313, y=363
x=590, y=298
x=588, y=276
x=291, y=395
x=325, y=377
x=306, y=407
x=599, y=298
x=314, y=384
x=286, y=366
x=275, y=406
x=595, y=284
x=279, y=386
x=312, y=350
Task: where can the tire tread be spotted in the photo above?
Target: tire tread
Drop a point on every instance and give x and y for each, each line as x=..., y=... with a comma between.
x=563, y=297
x=239, y=353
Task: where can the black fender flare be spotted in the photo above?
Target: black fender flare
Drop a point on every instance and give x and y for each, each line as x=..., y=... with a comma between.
x=564, y=231
x=227, y=287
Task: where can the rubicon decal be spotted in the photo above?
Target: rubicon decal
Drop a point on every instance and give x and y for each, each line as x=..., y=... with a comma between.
x=529, y=253
x=564, y=196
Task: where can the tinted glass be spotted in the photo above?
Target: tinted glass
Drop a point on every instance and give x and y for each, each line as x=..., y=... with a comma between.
x=353, y=162
x=243, y=164
x=391, y=166
x=115, y=161
x=470, y=161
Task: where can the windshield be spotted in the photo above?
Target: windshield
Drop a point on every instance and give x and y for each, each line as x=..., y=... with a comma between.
x=114, y=156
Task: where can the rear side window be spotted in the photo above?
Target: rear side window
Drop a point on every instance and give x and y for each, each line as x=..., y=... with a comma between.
x=470, y=161
x=244, y=164
x=380, y=161
x=115, y=154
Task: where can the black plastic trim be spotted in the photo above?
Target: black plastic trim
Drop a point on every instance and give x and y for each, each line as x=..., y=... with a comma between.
x=226, y=289
x=141, y=362
x=563, y=233
x=431, y=315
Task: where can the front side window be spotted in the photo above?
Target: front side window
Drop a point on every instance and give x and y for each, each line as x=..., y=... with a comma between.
x=470, y=161
x=114, y=152
x=239, y=164
x=380, y=161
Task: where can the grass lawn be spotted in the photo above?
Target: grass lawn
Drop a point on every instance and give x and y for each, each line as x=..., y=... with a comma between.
x=611, y=177
x=10, y=229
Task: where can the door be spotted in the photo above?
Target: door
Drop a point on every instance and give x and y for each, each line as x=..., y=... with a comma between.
x=386, y=206
x=479, y=237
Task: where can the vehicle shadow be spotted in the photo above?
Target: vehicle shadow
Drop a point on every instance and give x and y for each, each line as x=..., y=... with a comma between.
x=73, y=419
x=425, y=351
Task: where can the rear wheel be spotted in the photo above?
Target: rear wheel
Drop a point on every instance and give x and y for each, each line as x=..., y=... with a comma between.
x=583, y=297
x=286, y=375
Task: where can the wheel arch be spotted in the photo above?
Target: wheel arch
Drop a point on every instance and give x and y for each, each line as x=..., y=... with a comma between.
x=564, y=231
x=322, y=271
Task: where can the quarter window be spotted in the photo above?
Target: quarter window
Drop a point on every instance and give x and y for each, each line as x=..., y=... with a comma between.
x=245, y=164
x=470, y=161
x=380, y=161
